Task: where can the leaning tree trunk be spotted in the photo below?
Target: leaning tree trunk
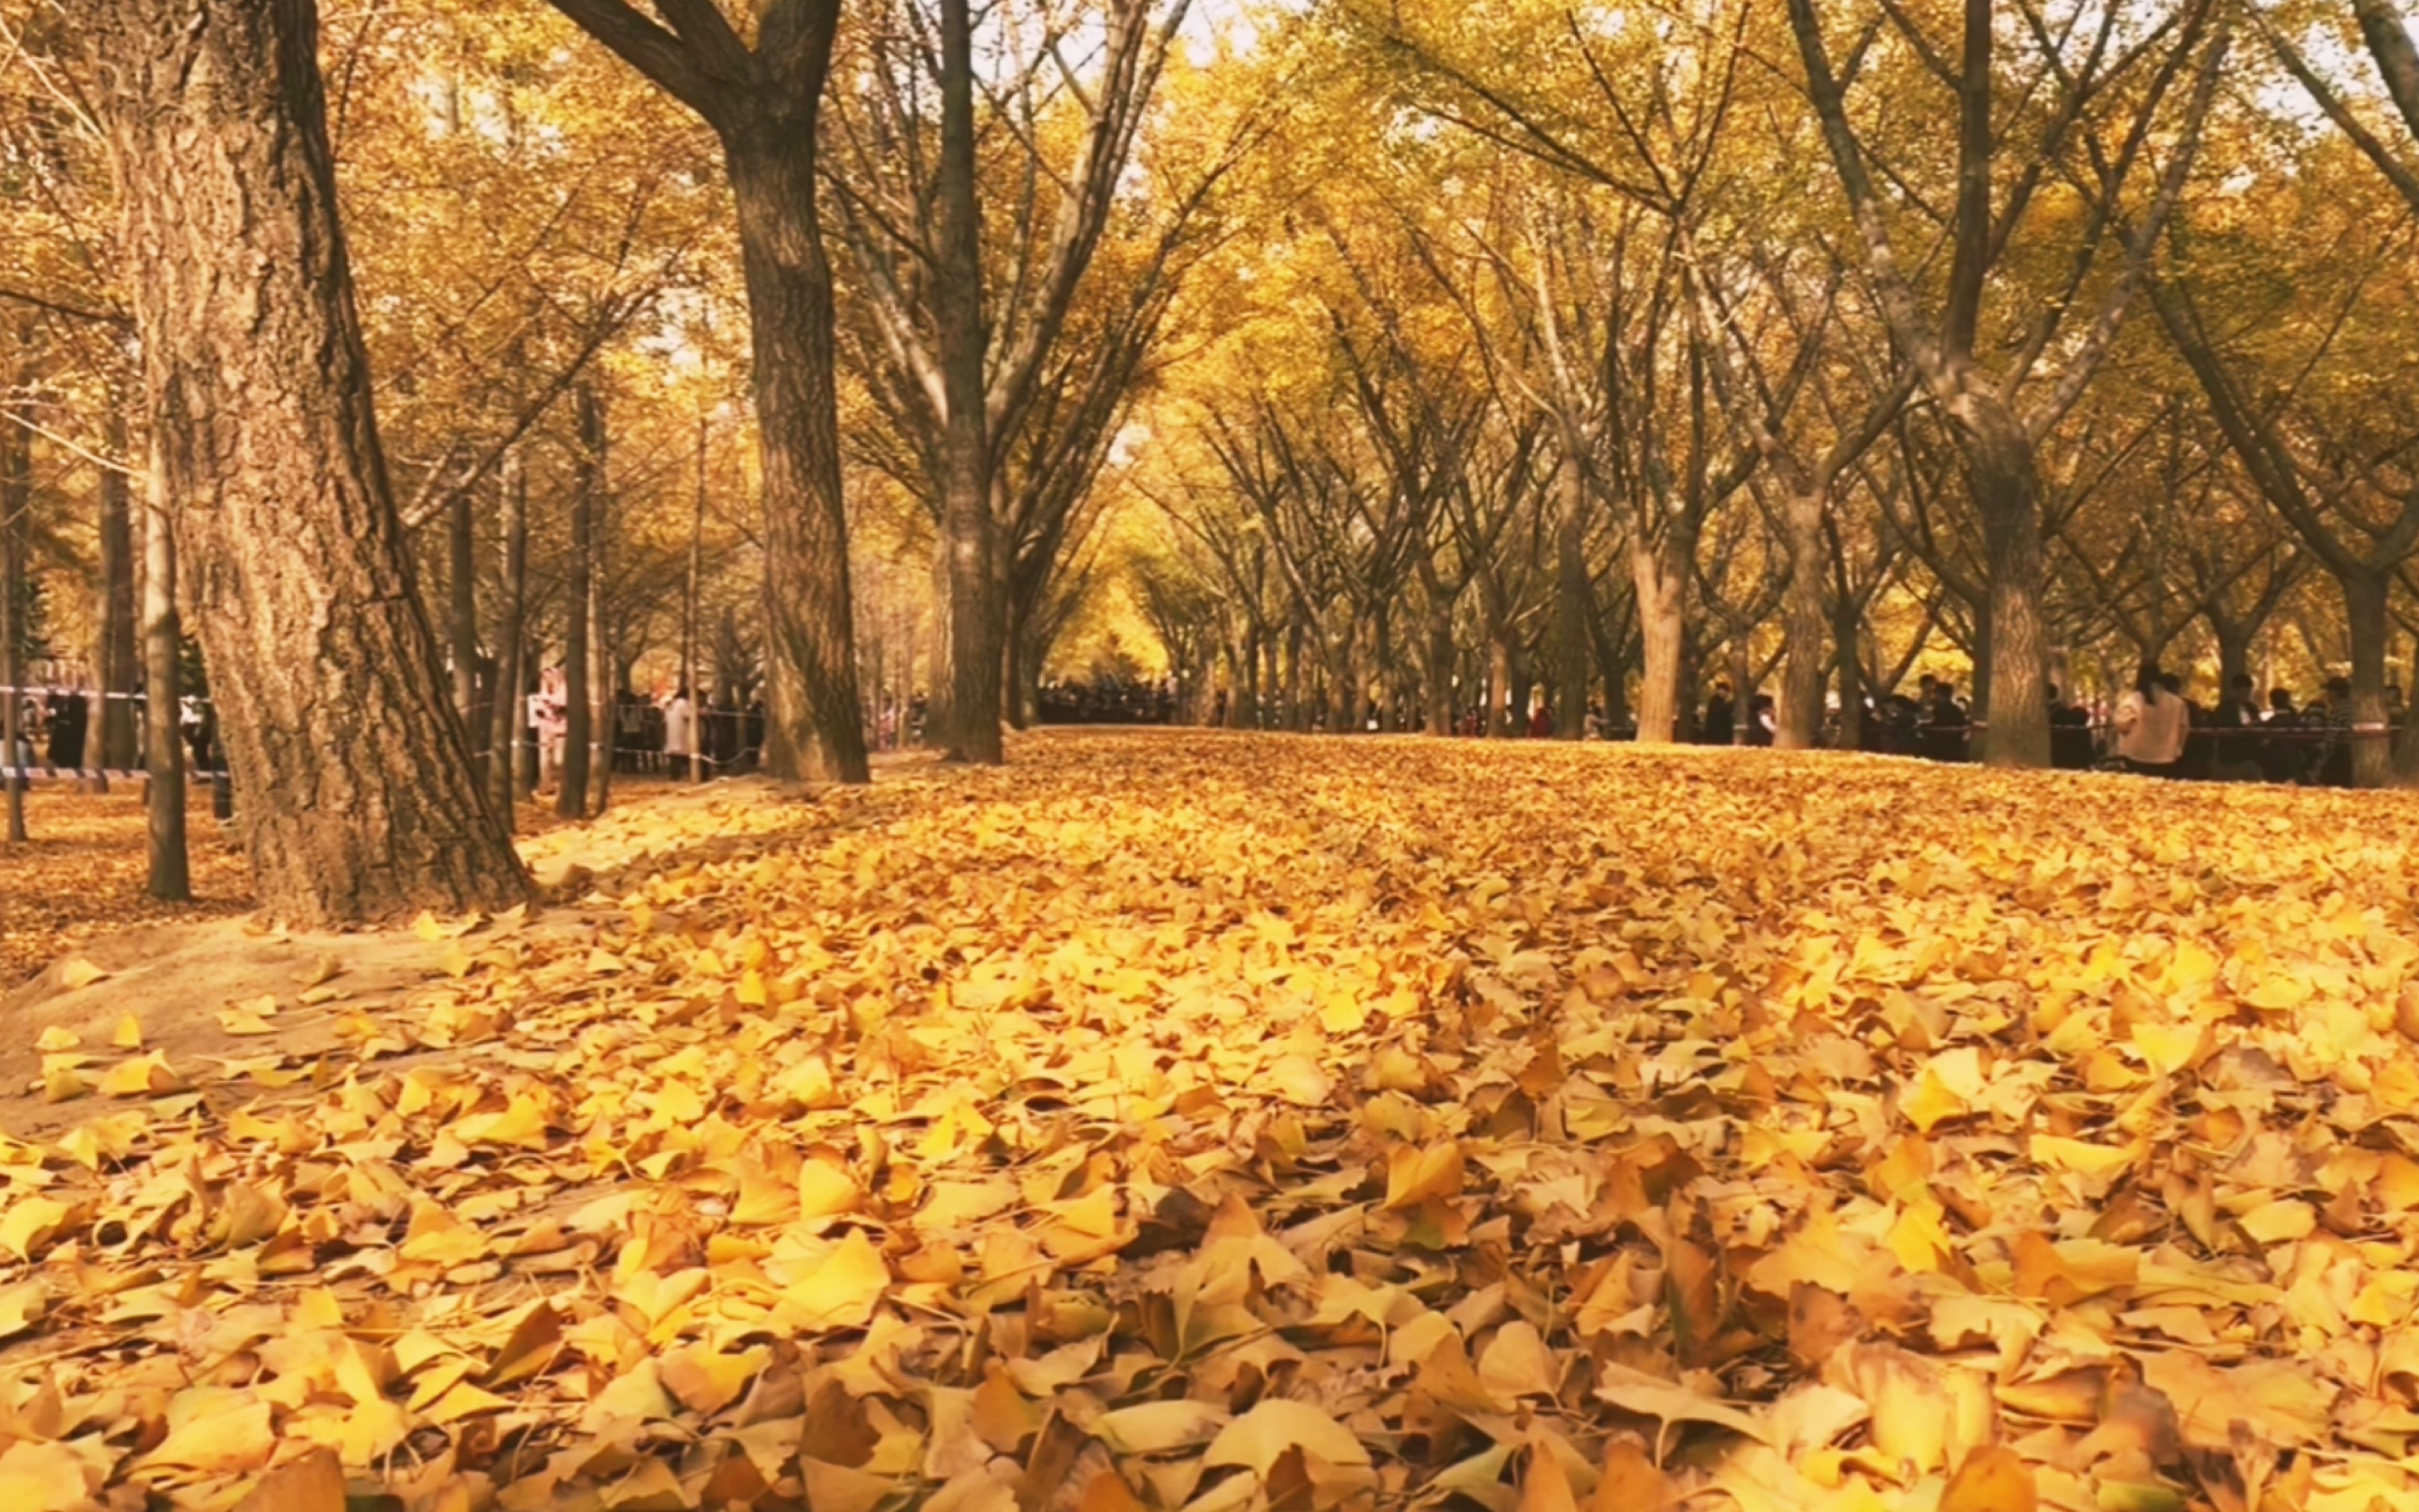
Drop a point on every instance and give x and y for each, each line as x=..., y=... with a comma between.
x=1801, y=682
x=510, y=699
x=1661, y=574
x=814, y=730
x=2006, y=481
x=118, y=659
x=2368, y=624
x=359, y=802
x=163, y=751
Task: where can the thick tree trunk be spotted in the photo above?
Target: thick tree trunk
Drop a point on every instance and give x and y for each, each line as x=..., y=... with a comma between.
x=2366, y=621
x=1661, y=575
x=1801, y=683
x=359, y=802
x=2006, y=483
x=578, y=714
x=510, y=700
x=814, y=730
x=1572, y=608
x=118, y=659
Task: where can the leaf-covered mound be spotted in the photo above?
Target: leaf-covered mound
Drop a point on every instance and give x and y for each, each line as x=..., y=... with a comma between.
x=1217, y=1122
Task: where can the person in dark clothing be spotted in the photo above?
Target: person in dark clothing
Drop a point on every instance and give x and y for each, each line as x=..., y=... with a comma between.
x=2070, y=734
x=1720, y=720
x=2333, y=763
x=1763, y=719
x=1946, y=725
x=2237, y=753
x=2200, y=746
x=69, y=712
x=2282, y=758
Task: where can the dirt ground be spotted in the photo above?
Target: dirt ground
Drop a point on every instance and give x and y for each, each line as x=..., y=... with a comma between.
x=80, y=878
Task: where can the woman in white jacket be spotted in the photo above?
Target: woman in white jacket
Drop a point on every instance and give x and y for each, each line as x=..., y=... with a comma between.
x=680, y=733
x=2152, y=725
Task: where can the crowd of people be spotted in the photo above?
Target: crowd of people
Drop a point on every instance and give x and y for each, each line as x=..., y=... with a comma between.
x=1109, y=699
x=654, y=734
x=57, y=729
x=2153, y=727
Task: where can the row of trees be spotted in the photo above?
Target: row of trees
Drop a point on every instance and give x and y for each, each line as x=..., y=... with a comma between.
x=1763, y=340
x=1586, y=350
x=417, y=341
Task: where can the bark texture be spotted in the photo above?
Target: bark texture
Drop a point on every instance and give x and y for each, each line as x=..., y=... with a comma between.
x=357, y=797
x=814, y=730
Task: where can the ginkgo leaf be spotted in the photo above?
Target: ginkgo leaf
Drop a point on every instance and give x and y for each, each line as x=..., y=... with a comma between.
x=1277, y=1424
x=1634, y=1391
x=1992, y=1478
x=1155, y=1428
x=76, y=972
x=839, y=1289
x=220, y=1439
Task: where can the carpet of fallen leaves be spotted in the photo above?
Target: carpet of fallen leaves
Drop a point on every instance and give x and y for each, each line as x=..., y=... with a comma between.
x=81, y=874
x=1233, y=1123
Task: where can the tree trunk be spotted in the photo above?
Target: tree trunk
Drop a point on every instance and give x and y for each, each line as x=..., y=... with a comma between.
x=164, y=750
x=1662, y=581
x=1801, y=685
x=604, y=730
x=16, y=509
x=2233, y=655
x=1852, y=678
x=690, y=613
x=1572, y=593
x=2366, y=622
x=1742, y=673
x=579, y=722
x=1297, y=705
x=1345, y=693
x=814, y=730
x=510, y=701
x=330, y=694
x=967, y=528
x=463, y=631
x=1439, y=670
x=1499, y=679
x=1022, y=702
x=117, y=657
x=2006, y=483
